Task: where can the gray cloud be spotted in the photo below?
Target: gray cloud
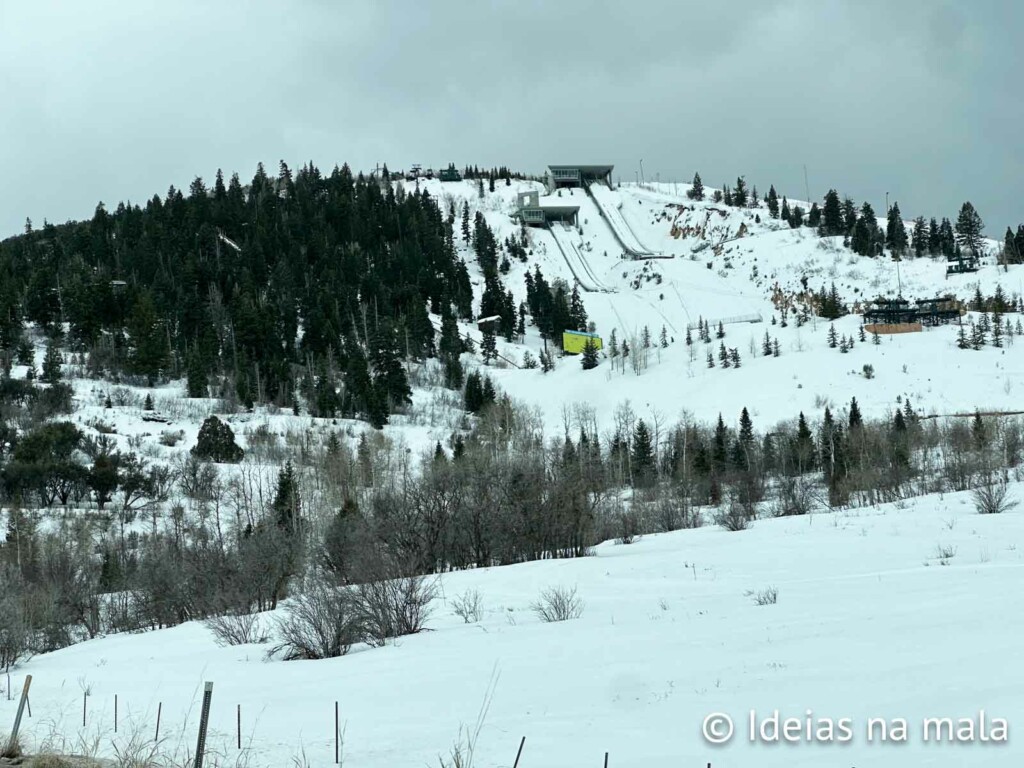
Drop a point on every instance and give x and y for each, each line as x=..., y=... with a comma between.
x=116, y=100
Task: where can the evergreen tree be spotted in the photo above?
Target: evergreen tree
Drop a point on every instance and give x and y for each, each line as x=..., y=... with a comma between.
x=589, y=360
x=739, y=195
x=919, y=237
x=488, y=347
x=696, y=190
x=388, y=374
x=895, y=231
x=832, y=337
x=773, y=202
x=52, y=364
x=814, y=216
x=969, y=227
x=786, y=213
x=663, y=338
x=286, y=506
x=832, y=216
x=849, y=216
x=856, y=421
x=197, y=379
x=642, y=460
x=216, y=442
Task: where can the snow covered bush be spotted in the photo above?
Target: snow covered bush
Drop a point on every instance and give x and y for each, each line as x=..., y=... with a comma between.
x=322, y=622
x=237, y=628
x=558, y=604
x=733, y=517
x=992, y=498
x=469, y=606
x=393, y=607
x=766, y=596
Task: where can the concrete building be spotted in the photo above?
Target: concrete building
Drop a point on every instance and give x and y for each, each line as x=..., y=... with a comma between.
x=560, y=176
x=532, y=213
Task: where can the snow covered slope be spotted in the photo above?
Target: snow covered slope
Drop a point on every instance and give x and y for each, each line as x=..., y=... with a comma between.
x=735, y=266
x=871, y=621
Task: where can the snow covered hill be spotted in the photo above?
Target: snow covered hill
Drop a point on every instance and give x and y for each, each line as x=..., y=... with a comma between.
x=733, y=265
x=903, y=611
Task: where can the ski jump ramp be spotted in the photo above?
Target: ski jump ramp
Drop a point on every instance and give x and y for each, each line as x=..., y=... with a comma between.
x=608, y=205
x=577, y=262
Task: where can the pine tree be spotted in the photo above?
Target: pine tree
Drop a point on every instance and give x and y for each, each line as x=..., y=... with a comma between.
x=786, y=213
x=645, y=338
x=642, y=460
x=52, y=364
x=766, y=345
x=773, y=202
x=832, y=337
x=961, y=338
x=979, y=431
x=465, y=222
x=895, y=231
x=969, y=227
x=832, y=215
x=720, y=334
x=919, y=237
x=488, y=347
x=689, y=338
x=849, y=216
x=776, y=352
x=389, y=376
x=696, y=191
x=663, y=338
x=861, y=334
x=856, y=420
x=734, y=357
x=286, y=506
x=711, y=360
x=589, y=360
x=147, y=404
x=739, y=195
x=875, y=338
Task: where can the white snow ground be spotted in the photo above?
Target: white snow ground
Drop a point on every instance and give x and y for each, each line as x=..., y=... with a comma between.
x=868, y=623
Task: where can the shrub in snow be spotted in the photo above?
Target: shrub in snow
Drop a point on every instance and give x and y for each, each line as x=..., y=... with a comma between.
x=469, y=606
x=733, y=517
x=394, y=607
x=237, y=628
x=992, y=498
x=558, y=604
x=322, y=622
x=767, y=596
x=217, y=443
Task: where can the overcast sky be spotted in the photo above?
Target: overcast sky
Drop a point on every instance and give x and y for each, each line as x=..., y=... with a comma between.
x=117, y=100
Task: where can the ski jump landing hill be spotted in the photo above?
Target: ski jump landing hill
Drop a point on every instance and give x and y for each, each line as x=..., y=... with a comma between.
x=595, y=180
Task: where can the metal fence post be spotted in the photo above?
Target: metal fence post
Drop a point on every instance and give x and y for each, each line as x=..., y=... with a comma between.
x=17, y=718
x=204, y=721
